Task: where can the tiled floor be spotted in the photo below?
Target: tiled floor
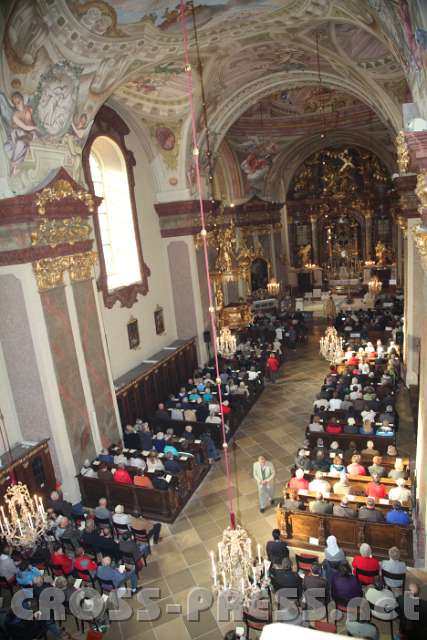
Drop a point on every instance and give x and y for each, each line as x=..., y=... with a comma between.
x=274, y=427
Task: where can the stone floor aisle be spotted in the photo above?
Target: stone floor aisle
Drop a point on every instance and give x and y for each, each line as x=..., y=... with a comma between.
x=274, y=427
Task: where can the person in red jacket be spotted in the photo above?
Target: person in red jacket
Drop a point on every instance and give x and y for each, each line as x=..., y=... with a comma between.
x=83, y=562
x=375, y=489
x=122, y=476
x=61, y=560
x=298, y=482
x=353, y=359
x=272, y=367
x=226, y=409
x=366, y=562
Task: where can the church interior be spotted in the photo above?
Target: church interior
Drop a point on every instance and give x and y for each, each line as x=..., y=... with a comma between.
x=213, y=333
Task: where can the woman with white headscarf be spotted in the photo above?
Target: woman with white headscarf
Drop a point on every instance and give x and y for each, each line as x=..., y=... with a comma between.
x=333, y=553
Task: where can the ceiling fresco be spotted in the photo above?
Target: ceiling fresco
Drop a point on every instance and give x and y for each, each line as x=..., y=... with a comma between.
x=258, y=56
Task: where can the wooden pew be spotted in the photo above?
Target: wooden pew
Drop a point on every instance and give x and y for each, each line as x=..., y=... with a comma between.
x=331, y=478
x=380, y=442
x=355, y=500
x=308, y=530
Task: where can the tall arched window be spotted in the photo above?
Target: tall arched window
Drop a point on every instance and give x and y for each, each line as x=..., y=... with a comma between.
x=109, y=172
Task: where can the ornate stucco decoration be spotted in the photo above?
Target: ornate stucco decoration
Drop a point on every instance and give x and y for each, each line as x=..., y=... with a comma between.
x=63, y=189
x=403, y=224
x=421, y=190
x=81, y=265
x=49, y=272
x=55, y=232
x=420, y=238
x=402, y=153
x=260, y=230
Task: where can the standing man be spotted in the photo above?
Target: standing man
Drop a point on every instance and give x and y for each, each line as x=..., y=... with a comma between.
x=264, y=474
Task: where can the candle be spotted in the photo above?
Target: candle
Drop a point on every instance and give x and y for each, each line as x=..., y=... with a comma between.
x=19, y=526
x=250, y=548
x=30, y=522
x=1, y=529
x=259, y=553
x=213, y=561
x=224, y=581
x=219, y=552
x=215, y=578
x=41, y=506
x=254, y=572
x=5, y=520
x=242, y=585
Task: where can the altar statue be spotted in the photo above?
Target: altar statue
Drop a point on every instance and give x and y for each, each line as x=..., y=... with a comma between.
x=381, y=253
x=329, y=308
x=304, y=254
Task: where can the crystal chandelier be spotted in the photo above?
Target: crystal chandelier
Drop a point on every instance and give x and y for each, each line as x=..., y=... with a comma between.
x=375, y=285
x=235, y=569
x=26, y=522
x=273, y=287
x=331, y=346
x=226, y=342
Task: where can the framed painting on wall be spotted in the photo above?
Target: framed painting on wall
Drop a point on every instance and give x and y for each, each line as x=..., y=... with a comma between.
x=159, y=320
x=133, y=333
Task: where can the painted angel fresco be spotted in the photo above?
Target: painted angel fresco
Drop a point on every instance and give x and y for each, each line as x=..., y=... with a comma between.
x=19, y=127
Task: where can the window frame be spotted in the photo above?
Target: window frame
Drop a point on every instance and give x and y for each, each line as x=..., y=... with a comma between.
x=109, y=124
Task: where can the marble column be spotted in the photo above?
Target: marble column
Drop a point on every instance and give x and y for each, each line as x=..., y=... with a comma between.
x=314, y=239
x=368, y=235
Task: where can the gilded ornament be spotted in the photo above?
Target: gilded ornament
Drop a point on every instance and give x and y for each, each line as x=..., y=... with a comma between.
x=49, y=272
x=402, y=153
x=81, y=265
x=62, y=189
x=421, y=190
x=420, y=238
x=55, y=232
x=403, y=224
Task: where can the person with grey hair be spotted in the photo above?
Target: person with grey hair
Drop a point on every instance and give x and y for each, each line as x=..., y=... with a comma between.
x=264, y=474
x=365, y=562
x=343, y=509
x=393, y=565
x=87, y=470
x=320, y=505
x=369, y=513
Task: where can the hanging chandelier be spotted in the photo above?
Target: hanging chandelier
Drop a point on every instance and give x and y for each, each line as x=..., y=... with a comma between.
x=26, y=521
x=235, y=570
x=226, y=342
x=331, y=346
x=273, y=287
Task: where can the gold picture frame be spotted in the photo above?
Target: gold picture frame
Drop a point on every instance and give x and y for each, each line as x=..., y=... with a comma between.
x=133, y=333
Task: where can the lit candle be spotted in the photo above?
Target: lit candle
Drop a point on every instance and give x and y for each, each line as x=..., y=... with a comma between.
x=1, y=529
x=41, y=506
x=254, y=572
x=259, y=553
x=5, y=520
x=215, y=579
x=19, y=526
x=213, y=561
x=30, y=522
x=219, y=552
x=250, y=548
x=224, y=580
x=242, y=585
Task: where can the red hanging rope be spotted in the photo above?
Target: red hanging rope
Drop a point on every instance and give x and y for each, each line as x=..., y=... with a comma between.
x=182, y=17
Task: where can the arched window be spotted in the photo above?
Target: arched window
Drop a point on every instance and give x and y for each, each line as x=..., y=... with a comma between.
x=109, y=172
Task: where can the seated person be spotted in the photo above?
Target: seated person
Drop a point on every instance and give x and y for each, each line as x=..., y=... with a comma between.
x=319, y=484
x=376, y=468
x=104, y=473
x=367, y=428
x=369, y=513
x=102, y=511
x=370, y=450
x=26, y=573
x=335, y=402
x=146, y=438
x=351, y=426
x=393, y=565
x=398, y=471
x=83, y=562
x=87, y=470
x=315, y=426
x=333, y=552
x=121, y=475
x=385, y=429
x=171, y=465
x=282, y=577
x=302, y=460
x=344, y=585
x=105, y=456
x=290, y=501
x=366, y=562
x=333, y=425
x=276, y=549
x=59, y=505
x=161, y=412
x=343, y=509
x=381, y=599
x=355, y=468
x=400, y=492
x=136, y=460
x=375, y=489
x=337, y=466
x=159, y=442
x=398, y=515
x=320, y=505
x=342, y=487
x=298, y=481
x=320, y=462
x=154, y=463
x=314, y=579
x=131, y=438
x=60, y=559
x=119, y=516
x=118, y=577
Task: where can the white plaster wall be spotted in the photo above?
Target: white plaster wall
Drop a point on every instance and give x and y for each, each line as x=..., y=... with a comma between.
x=7, y=407
x=154, y=251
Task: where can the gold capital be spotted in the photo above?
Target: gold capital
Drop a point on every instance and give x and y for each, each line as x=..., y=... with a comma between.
x=421, y=190
x=49, y=272
x=402, y=153
x=420, y=238
x=81, y=265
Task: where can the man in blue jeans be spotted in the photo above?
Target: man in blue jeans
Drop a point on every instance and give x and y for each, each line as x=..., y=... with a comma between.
x=117, y=577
